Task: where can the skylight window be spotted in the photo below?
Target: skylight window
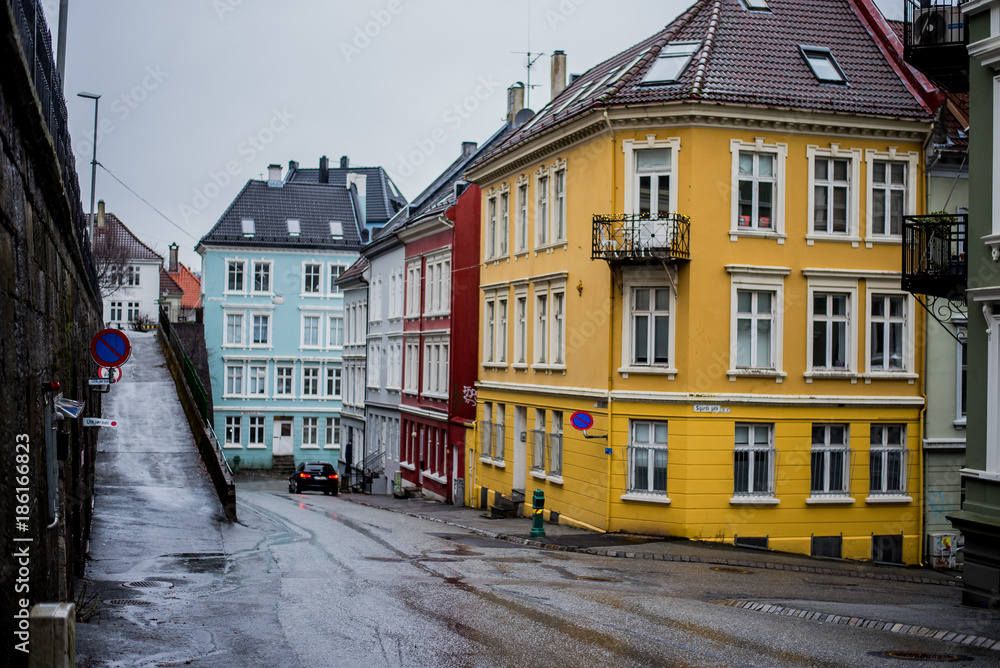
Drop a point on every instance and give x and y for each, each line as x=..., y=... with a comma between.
x=823, y=65
x=248, y=230
x=670, y=64
x=336, y=229
x=293, y=227
x=757, y=5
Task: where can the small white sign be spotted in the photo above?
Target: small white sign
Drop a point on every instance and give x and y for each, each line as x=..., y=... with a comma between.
x=710, y=408
x=99, y=422
x=100, y=381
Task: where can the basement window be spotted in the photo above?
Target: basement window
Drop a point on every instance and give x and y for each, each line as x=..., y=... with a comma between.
x=293, y=227
x=823, y=65
x=671, y=63
x=248, y=229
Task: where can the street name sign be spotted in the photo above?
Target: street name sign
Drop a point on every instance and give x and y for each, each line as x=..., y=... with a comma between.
x=99, y=422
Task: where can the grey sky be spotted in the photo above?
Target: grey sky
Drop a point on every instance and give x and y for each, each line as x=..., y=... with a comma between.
x=193, y=87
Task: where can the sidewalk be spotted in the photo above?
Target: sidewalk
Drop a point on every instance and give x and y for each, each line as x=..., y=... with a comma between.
x=569, y=539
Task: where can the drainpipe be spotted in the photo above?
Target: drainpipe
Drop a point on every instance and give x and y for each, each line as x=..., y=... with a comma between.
x=611, y=339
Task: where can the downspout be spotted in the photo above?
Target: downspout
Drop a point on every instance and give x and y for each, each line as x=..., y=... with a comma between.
x=611, y=332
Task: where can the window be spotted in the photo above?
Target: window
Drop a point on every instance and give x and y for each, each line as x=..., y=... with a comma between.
x=830, y=460
x=961, y=380
x=555, y=450
x=501, y=326
x=260, y=329
x=261, y=276
x=310, y=278
x=557, y=347
x=491, y=228
x=888, y=320
x=234, y=380
x=489, y=332
x=831, y=195
x=283, y=380
x=650, y=326
x=294, y=228
x=310, y=381
x=521, y=231
x=560, y=205
x=248, y=227
x=394, y=378
x=413, y=288
x=234, y=273
x=753, y=461
x=335, y=271
x=335, y=331
x=437, y=298
x=888, y=198
x=412, y=372
x=755, y=329
x=258, y=380
x=757, y=186
x=541, y=327
x=436, y=368
x=542, y=209
x=831, y=327
x=332, y=439
x=671, y=62
x=887, y=459
x=132, y=275
x=653, y=167
x=396, y=294
x=493, y=431
x=647, y=458
x=375, y=299
x=310, y=435
x=336, y=230
x=116, y=311
x=132, y=309
x=333, y=381
x=234, y=327
x=521, y=330
x=539, y=442
x=374, y=359
x=504, y=224
x=310, y=331
x=257, y=432
x=234, y=425
x=823, y=65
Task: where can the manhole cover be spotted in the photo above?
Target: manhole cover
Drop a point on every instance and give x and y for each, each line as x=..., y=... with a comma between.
x=127, y=601
x=591, y=578
x=727, y=569
x=149, y=584
x=920, y=656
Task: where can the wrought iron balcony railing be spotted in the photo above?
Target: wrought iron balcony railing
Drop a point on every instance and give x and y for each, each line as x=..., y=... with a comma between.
x=934, y=255
x=641, y=237
x=935, y=36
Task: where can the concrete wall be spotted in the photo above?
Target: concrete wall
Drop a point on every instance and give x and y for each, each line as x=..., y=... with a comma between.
x=49, y=310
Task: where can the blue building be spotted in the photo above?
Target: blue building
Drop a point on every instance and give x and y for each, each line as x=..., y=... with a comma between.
x=273, y=314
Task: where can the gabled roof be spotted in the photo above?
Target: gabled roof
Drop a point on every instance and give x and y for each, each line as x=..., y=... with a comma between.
x=747, y=58
x=168, y=286
x=382, y=195
x=354, y=272
x=114, y=237
x=189, y=284
x=314, y=206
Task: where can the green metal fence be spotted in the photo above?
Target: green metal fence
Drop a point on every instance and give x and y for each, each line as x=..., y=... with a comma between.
x=190, y=374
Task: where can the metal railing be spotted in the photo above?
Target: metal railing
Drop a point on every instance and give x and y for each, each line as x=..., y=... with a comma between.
x=641, y=237
x=934, y=255
x=227, y=471
x=935, y=36
x=198, y=391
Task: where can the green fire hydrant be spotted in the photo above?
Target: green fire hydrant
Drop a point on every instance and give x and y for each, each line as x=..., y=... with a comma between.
x=236, y=462
x=538, y=510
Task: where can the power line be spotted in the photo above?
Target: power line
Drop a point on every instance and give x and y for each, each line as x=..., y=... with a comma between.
x=146, y=202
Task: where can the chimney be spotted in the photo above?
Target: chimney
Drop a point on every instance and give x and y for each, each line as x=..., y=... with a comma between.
x=515, y=100
x=100, y=214
x=558, y=72
x=324, y=170
x=292, y=166
x=468, y=148
x=173, y=259
x=344, y=162
x=274, y=175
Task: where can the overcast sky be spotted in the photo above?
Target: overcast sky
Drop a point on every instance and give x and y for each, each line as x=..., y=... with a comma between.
x=198, y=96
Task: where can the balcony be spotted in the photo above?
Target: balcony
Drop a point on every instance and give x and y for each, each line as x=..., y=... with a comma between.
x=935, y=38
x=641, y=237
x=934, y=260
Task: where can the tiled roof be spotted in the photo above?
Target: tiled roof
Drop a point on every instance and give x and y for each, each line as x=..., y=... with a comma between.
x=314, y=206
x=190, y=284
x=747, y=58
x=383, y=197
x=354, y=271
x=114, y=235
x=168, y=285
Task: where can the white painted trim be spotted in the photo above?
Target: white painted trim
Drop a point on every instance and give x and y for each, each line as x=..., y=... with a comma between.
x=811, y=272
x=778, y=215
x=754, y=501
x=629, y=147
x=542, y=389
x=757, y=399
x=890, y=287
x=830, y=284
x=889, y=498
x=854, y=197
x=758, y=279
x=829, y=501
x=646, y=498
x=912, y=160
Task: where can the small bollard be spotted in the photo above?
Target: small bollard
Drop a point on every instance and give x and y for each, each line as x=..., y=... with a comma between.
x=538, y=509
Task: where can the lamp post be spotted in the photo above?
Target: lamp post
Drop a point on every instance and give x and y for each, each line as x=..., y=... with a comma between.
x=93, y=164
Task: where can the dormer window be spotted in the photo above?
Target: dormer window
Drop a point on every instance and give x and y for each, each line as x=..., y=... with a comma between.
x=293, y=227
x=336, y=229
x=248, y=227
x=757, y=5
x=823, y=65
x=670, y=64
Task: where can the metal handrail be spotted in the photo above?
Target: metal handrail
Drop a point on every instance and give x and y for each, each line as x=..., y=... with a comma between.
x=628, y=236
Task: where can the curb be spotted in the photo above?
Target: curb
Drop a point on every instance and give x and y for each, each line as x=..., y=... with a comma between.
x=621, y=554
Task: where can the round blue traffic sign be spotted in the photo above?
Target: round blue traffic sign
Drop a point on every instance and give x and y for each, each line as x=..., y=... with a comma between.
x=110, y=348
x=582, y=421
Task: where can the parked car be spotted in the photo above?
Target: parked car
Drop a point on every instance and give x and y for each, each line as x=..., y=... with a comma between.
x=314, y=475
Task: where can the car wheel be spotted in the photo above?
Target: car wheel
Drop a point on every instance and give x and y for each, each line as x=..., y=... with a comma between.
x=293, y=487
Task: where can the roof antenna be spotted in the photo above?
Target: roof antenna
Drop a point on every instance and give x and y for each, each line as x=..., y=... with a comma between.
x=530, y=63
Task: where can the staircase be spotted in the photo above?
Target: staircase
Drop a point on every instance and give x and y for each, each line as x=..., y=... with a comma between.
x=283, y=465
x=505, y=508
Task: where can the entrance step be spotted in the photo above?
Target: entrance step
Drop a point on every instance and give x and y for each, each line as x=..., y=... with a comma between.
x=283, y=465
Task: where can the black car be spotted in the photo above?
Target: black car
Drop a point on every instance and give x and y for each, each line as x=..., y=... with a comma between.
x=314, y=475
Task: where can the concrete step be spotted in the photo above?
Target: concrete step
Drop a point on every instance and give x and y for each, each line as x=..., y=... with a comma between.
x=283, y=465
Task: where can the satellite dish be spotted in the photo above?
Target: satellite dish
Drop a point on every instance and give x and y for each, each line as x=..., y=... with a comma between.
x=522, y=117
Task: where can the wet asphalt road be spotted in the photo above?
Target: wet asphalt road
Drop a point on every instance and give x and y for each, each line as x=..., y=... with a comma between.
x=309, y=580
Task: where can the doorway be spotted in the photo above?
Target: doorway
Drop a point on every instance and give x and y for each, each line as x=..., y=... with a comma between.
x=282, y=443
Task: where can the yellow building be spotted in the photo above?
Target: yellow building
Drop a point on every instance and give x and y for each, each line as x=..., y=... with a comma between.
x=697, y=242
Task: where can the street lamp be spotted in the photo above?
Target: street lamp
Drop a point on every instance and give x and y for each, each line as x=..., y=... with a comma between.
x=93, y=163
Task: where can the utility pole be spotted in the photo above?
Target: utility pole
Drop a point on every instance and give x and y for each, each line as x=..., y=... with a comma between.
x=61, y=48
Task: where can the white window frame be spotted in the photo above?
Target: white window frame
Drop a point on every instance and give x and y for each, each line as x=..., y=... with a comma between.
x=396, y=294
x=235, y=373
x=882, y=449
x=331, y=439
x=435, y=367
x=637, y=281
x=546, y=353
x=758, y=279
x=520, y=358
x=310, y=433
x=319, y=279
x=961, y=360
x=437, y=287
x=278, y=378
x=270, y=329
x=651, y=446
x=257, y=424
x=521, y=226
x=310, y=381
x=825, y=283
x=375, y=299
x=414, y=271
x=559, y=204
x=854, y=157
x=890, y=287
x=411, y=363
x=503, y=222
x=335, y=374
x=753, y=496
x=911, y=161
x=630, y=189
x=543, y=207
x=490, y=238
x=233, y=436
x=261, y=380
x=268, y=265
x=226, y=315
x=780, y=153
x=318, y=319
x=826, y=448
x=331, y=319
x=394, y=359
x=230, y=263
x=374, y=359
x=334, y=270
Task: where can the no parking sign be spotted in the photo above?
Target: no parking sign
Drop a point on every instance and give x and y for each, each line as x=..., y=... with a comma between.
x=110, y=348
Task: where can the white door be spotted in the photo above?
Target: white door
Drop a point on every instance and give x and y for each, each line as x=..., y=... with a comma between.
x=282, y=444
x=520, y=447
